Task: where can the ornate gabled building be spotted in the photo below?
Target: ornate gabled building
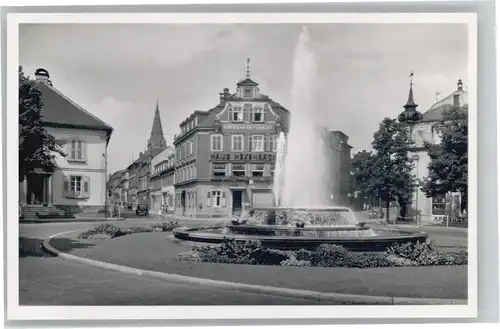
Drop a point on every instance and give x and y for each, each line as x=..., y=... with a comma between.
x=427, y=128
x=225, y=156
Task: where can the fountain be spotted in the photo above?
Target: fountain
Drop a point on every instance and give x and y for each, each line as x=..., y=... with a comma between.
x=303, y=216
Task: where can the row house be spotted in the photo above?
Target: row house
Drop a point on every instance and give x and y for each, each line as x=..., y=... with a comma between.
x=162, y=181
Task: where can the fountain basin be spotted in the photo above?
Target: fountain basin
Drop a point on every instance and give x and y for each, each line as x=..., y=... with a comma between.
x=266, y=234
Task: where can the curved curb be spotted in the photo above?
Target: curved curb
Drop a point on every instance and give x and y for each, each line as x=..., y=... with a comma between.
x=250, y=288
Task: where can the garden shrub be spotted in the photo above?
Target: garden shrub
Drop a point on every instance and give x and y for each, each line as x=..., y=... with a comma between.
x=327, y=255
x=102, y=230
x=238, y=252
x=400, y=261
x=111, y=231
x=422, y=254
x=411, y=251
x=303, y=254
x=296, y=263
x=252, y=252
x=365, y=260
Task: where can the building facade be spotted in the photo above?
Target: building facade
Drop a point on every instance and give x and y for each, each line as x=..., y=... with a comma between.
x=339, y=160
x=225, y=156
x=124, y=188
x=114, y=187
x=78, y=183
x=162, y=181
x=427, y=128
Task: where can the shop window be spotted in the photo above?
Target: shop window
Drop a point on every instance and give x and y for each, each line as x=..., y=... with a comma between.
x=219, y=169
x=439, y=205
x=238, y=170
x=257, y=170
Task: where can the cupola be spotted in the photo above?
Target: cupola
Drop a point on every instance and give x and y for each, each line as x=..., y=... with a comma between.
x=410, y=113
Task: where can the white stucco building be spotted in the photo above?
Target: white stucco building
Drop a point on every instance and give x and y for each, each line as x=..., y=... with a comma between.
x=78, y=183
x=426, y=128
x=162, y=180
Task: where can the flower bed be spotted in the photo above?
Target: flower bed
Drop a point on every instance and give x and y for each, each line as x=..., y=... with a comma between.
x=252, y=252
x=110, y=231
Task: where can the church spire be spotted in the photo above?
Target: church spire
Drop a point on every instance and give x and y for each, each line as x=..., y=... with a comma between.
x=410, y=103
x=410, y=113
x=157, y=140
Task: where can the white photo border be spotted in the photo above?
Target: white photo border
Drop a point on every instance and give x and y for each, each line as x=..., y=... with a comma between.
x=16, y=312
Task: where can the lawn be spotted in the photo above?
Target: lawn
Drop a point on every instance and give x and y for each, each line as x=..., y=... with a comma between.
x=156, y=251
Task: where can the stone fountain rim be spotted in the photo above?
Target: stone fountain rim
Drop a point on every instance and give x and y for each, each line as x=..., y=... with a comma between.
x=346, y=227
x=197, y=233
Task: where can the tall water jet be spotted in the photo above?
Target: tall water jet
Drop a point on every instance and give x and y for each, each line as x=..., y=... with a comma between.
x=279, y=169
x=305, y=177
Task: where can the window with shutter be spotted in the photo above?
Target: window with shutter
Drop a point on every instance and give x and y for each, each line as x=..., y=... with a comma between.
x=76, y=150
x=223, y=201
x=209, y=199
x=83, y=157
x=86, y=187
x=65, y=187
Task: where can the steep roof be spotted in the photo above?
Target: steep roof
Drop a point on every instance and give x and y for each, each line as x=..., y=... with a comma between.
x=157, y=140
x=247, y=82
x=209, y=119
x=436, y=111
x=60, y=111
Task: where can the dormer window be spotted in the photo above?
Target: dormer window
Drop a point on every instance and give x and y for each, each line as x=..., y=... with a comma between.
x=258, y=115
x=248, y=92
x=237, y=114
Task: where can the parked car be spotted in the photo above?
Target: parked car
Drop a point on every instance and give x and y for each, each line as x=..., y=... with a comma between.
x=142, y=210
x=376, y=213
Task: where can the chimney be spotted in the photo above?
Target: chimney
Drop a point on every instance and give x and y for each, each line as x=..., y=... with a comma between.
x=42, y=75
x=224, y=96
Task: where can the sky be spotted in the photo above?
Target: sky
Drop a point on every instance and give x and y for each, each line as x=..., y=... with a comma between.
x=119, y=71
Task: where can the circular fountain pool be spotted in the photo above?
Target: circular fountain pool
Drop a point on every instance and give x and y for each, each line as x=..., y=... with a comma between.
x=307, y=228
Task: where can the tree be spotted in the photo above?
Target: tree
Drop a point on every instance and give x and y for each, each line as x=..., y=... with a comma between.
x=37, y=147
x=361, y=165
x=448, y=165
x=391, y=175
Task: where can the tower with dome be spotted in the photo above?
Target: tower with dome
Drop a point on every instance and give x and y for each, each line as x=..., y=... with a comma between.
x=426, y=128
